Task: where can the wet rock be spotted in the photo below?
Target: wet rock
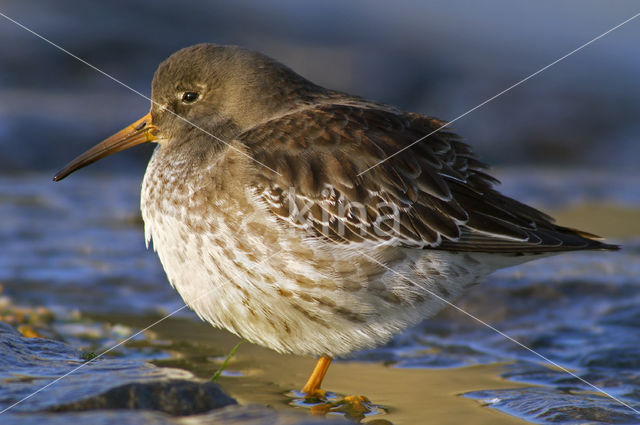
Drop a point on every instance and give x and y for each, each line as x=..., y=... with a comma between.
x=258, y=415
x=97, y=417
x=230, y=415
x=174, y=397
x=41, y=374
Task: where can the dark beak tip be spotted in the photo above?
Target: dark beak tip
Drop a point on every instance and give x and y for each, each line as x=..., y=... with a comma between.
x=60, y=175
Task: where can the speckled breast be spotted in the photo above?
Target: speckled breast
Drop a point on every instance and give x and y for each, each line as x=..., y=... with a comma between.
x=237, y=267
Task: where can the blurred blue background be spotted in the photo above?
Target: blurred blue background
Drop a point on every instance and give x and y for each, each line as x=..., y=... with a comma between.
x=438, y=58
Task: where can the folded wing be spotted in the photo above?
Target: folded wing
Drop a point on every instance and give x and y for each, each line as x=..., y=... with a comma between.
x=434, y=194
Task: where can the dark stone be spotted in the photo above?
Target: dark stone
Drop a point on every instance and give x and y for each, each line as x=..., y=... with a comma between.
x=230, y=415
x=174, y=397
x=260, y=415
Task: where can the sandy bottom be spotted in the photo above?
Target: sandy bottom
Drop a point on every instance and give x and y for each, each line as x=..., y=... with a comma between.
x=261, y=376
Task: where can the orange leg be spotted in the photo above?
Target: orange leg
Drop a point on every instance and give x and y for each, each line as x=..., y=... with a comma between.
x=312, y=386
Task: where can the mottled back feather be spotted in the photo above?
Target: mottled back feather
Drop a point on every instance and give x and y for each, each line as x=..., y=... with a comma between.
x=435, y=194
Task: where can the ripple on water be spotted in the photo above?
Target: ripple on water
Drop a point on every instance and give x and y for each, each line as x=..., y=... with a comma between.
x=79, y=245
x=549, y=405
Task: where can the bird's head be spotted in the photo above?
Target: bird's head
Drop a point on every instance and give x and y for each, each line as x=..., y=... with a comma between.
x=206, y=91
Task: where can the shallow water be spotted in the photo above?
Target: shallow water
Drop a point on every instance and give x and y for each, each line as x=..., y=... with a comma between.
x=78, y=246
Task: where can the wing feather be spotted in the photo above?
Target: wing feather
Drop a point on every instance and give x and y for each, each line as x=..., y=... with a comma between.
x=434, y=194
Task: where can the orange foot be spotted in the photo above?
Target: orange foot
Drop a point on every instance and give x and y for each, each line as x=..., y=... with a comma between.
x=319, y=394
x=352, y=407
x=320, y=403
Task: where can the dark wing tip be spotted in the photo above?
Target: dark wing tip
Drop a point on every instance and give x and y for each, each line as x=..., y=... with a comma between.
x=610, y=247
x=593, y=241
x=596, y=244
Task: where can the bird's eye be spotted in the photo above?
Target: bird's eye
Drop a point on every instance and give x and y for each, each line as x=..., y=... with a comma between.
x=190, y=96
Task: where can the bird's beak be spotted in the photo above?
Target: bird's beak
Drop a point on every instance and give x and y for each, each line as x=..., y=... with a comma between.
x=140, y=131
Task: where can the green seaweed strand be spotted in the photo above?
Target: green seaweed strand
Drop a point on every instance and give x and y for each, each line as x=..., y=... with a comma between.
x=216, y=375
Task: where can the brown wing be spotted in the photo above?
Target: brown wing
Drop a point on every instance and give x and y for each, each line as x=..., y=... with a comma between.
x=434, y=194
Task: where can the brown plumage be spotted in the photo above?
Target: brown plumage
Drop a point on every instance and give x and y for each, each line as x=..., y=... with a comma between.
x=444, y=197
x=283, y=212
